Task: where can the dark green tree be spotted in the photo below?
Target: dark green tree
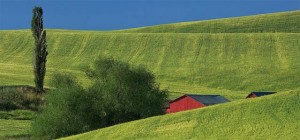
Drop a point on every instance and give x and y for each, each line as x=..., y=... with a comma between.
x=119, y=93
x=40, y=52
x=127, y=92
x=64, y=112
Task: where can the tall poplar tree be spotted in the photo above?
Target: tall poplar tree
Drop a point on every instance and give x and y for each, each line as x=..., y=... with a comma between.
x=40, y=52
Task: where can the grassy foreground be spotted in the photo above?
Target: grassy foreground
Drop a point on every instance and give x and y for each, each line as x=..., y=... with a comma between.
x=15, y=124
x=14, y=129
x=271, y=117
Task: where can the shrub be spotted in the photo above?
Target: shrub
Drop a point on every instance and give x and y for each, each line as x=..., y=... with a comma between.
x=127, y=93
x=19, y=97
x=62, y=115
x=119, y=93
x=10, y=100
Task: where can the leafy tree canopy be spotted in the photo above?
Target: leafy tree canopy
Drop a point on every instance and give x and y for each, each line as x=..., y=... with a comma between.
x=119, y=93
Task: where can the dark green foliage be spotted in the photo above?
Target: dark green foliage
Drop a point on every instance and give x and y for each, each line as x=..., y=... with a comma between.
x=40, y=52
x=128, y=93
x=9, y=100
x=19, y=97
x=120, y=93
x=64, y=111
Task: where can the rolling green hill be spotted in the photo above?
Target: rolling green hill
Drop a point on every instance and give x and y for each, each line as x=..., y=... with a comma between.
x=276, y=22
x=269, y=117
x=230, y=57
x=231, y=63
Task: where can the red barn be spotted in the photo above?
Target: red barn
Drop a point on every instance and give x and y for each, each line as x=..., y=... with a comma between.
x=258, y=94
x=192, y=101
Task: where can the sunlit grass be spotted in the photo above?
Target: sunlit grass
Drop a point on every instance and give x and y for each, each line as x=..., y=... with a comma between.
x=230, y=57
x=270, y=117
x=276, y=22
x=14, y=128
x=227, y=63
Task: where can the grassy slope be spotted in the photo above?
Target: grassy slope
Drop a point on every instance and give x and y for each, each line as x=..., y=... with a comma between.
x=277, y=22
x=182, y=62
x=227, y=63
x=231, y=64
x=14, y=128
x=269, y=117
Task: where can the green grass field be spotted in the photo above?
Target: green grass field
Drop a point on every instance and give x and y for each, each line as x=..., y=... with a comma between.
x=270, y=117
x=277, y=22
x=233, y=63
x=230, y=57
x=14, y=129
x=15, y=125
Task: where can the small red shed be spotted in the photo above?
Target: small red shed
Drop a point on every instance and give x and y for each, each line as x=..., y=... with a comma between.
x=192, y=101
x=258, y=94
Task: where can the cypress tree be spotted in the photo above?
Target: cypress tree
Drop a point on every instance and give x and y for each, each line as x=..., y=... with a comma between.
x=40, y=52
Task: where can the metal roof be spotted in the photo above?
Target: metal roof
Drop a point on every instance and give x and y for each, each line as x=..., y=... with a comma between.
x=262, y=93
x=208, y=99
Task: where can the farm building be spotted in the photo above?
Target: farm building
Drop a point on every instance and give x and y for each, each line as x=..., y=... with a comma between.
x=258, y=94
x=192, y=101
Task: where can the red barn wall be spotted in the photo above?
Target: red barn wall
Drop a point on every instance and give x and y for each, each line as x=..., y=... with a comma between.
x=185, y=103
x=251, y=96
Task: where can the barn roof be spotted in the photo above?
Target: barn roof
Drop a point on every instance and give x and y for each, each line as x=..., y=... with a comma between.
x=206, y=99
x=262, y=93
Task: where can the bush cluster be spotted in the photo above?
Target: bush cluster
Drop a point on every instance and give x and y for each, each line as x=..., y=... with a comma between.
x=19, y=97
x=119, y=93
